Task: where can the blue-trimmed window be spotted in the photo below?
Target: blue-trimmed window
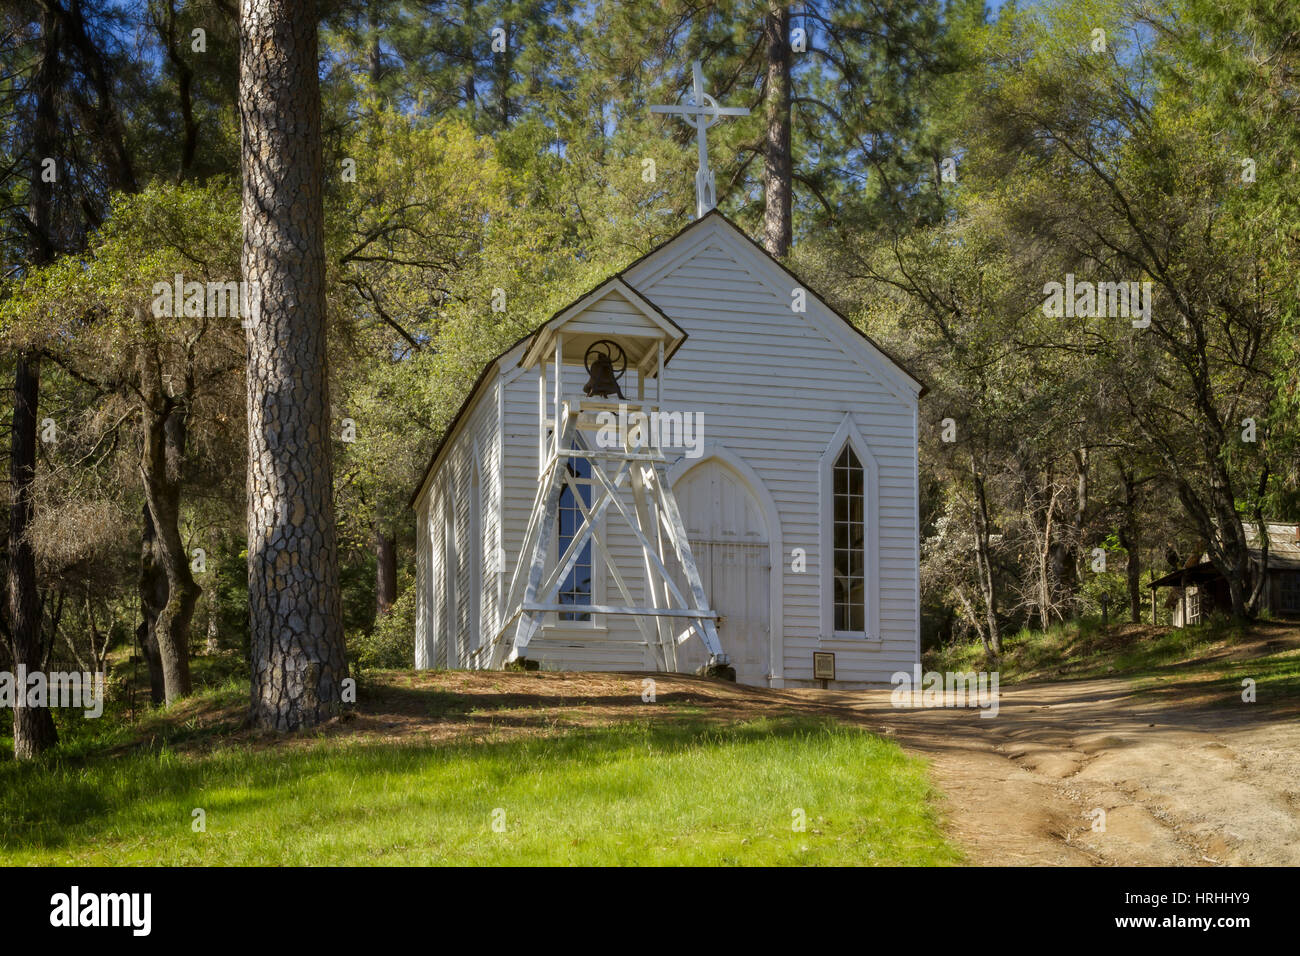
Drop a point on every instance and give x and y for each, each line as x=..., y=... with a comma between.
x=576, y=587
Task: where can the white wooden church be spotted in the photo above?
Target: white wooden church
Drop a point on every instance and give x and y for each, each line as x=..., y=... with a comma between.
x=696, y=463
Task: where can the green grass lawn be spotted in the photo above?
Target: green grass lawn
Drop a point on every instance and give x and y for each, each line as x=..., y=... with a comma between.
x=639, y=792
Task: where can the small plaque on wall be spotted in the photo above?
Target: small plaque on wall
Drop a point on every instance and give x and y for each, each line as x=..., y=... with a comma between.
x=823, y=665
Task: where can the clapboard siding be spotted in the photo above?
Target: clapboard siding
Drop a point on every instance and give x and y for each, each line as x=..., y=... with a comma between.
x=424, y=587
x=438, y=526
x=443, y=633
x=773, y=388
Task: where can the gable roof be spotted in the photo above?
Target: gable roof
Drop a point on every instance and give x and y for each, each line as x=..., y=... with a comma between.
x=923, y=388
x=621, y=277
x=654, y=321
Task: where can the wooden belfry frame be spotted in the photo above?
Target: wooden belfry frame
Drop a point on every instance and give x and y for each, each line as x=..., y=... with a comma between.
x=636, y=465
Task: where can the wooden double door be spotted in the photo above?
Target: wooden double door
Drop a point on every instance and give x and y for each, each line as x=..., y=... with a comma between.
x=730, y=542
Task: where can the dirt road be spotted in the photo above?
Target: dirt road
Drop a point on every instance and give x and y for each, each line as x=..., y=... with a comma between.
x=1179, y=784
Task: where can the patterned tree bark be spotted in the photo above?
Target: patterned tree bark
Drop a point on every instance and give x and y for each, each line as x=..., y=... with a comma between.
x=777, y=163
x=33, y=726
x=295, y=607
x=34, y=729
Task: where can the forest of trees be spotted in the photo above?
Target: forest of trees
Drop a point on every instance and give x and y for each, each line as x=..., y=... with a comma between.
x=929, y=167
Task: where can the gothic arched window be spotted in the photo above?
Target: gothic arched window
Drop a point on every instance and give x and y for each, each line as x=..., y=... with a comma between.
x=849, y=542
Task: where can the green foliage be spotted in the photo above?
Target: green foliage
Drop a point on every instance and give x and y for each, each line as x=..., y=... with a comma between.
x=1110, y=587
x=106, y=295
x=226, y=588
x=391, y=642
x=220, y=685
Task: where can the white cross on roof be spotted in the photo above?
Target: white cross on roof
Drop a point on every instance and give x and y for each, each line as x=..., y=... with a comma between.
x=701, y=110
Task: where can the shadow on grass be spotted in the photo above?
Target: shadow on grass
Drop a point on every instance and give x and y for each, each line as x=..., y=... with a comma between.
x=383, y=694
x=1085, y=649
x=1219, y=682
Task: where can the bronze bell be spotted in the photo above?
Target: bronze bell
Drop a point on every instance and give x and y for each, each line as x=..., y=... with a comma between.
x=602, y=383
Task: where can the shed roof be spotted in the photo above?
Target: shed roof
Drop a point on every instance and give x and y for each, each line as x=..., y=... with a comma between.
x=1283, y=555
x=1283, y=544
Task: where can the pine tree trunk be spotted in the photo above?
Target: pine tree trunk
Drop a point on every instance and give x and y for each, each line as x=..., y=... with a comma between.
x=1258, y=591
x=1134, y=575
x=34, y=730
x=293, y=585
x=777, y=164
x=375, y=65
x=33, y=726
x=470, y=92
x=1044, y=556
x=505, y=67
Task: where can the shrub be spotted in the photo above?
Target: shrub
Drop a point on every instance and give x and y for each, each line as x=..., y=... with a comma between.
x=391, y=642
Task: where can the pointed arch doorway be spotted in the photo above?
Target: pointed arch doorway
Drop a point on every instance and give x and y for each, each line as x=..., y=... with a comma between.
x=728, y=527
